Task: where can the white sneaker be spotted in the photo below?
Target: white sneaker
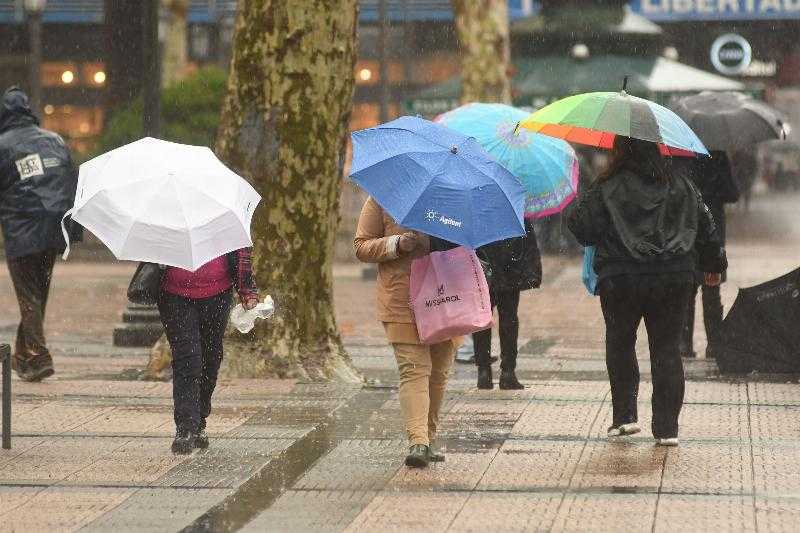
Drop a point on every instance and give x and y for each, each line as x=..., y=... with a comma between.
x=624, y=429
x=672, y=441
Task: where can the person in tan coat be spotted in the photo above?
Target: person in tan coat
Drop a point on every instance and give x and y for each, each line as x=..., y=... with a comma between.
x=423, y=369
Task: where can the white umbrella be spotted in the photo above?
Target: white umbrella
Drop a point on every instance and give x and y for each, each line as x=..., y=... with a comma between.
x=164, y=202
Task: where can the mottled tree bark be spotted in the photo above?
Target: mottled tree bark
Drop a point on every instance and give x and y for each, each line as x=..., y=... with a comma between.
x=482, y=28
x=176, y=54
x=284, y=127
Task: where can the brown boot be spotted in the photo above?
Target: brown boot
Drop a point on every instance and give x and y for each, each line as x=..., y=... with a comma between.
x=38, y=368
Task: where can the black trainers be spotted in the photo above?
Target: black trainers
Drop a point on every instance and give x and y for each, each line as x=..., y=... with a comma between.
x=485, y=377
x=37, y=368
x=201, y=440
x=509, y=381
x=184, y=443
x=418, y=456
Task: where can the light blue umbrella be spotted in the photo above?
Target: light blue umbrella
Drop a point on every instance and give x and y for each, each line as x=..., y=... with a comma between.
x=546, y=166
x=434, y=180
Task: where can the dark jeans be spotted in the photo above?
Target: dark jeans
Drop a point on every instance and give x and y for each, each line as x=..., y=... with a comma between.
x=195, y=329
x=712, y=318
x=625, y=301
x=507, y=303
x=31, y=275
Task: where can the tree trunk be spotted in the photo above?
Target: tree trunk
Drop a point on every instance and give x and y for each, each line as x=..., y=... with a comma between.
x=284, y=127
x=176, y=53
x=482, y=28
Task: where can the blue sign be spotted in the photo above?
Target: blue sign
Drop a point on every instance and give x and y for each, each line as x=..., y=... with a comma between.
x=677, y=10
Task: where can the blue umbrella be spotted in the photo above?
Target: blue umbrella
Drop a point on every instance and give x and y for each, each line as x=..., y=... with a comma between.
x=434, y=180
x=546, y=166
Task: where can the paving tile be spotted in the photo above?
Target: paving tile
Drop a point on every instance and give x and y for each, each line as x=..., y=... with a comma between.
x=777, y=514
x=715, y=393
x=606, y=513
x=776, y=469
x=507, y=511
x=708, y=468
x=572, y=390
x=57, y=458
x=390, y=511
x=62, y=508
x=557, y=419
x=460, y=471
x=620, y=465
x=773, y=393
x=725, y=422
x=355, y=465
x=770, y=423
x=312, y=510
x=527, y=465
x=57, y=417
x=226, y=464
x=705, y=514
x=154, y=509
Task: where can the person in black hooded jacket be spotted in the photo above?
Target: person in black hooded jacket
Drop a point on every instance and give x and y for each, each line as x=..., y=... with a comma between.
x=38, y=181
x=651, y=230
x=515, y=266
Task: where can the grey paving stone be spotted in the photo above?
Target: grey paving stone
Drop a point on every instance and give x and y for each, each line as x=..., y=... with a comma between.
x=532, y=465
x=226, y=464
x=312, y=511
x=774, y=515
x=360, y=465
x=708, y=468
x=156, y=509
x=616, y=466
x=391, y=511
x=772, y=423
x=557, y=419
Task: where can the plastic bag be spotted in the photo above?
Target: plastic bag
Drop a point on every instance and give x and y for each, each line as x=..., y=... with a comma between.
x=245, y=320
x=588, y=275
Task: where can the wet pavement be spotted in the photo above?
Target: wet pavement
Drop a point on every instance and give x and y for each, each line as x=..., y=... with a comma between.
x=91, y=447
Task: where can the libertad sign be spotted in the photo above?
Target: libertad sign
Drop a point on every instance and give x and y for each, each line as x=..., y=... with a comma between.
x=671, y=10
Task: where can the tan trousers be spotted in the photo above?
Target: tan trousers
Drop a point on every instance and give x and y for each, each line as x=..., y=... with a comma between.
x=423, y=379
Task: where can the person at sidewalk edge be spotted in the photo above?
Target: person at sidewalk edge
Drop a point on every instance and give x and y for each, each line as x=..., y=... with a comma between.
x=424, y=370
x=713, y=177
x=651, y=230
x=516, y=266
x=38, y=181
x=194, y=308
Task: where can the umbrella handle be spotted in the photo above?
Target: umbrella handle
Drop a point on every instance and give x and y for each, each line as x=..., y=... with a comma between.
x=64, y=232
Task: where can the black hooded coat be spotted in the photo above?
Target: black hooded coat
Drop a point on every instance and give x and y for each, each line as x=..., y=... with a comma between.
x=38, y=181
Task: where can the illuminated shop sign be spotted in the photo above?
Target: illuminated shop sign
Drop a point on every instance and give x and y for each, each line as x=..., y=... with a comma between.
x=676, y=10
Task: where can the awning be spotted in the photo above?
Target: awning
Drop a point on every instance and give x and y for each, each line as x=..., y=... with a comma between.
x=539, y=80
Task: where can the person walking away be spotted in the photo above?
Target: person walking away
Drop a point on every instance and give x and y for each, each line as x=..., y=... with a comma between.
x=713, y=177
x=424, y=369
x=38, y=181
x=651, y=229
x=744, y=166
x=516, y=266
x=194, y=308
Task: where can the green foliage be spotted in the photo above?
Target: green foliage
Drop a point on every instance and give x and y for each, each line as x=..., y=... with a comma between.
x=190, y=112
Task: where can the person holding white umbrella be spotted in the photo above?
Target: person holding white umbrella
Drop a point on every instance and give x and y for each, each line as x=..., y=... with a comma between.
x=181, y=208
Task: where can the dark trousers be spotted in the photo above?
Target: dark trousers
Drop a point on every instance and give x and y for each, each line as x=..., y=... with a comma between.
x=712, y=319
x=31, y=275
x=625, y=302
x=195, y=330
x=507, y=303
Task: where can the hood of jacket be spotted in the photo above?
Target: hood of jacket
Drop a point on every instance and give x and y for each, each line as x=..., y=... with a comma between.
x=15, y=111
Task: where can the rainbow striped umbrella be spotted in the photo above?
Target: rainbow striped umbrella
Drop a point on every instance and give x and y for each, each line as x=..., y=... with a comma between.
x=547, y=167
x=595, y=119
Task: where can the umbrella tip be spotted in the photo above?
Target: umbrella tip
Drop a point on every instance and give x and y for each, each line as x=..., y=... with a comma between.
x=454, y=149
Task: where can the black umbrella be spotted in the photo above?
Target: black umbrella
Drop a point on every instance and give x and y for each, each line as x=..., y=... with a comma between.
x=761, y=330
x=728, y=120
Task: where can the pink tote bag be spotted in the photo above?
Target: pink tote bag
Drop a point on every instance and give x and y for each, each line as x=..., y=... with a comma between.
x=449, y=295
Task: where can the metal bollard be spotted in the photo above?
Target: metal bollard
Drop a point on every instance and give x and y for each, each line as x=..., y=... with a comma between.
x=5, y=356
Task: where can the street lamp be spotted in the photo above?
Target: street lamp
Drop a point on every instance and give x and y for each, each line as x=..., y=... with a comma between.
x=34, y=10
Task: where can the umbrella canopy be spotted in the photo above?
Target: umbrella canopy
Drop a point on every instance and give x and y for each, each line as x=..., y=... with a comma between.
x=729, y=120
x=595, y=119
x=434, y=180
x=760, y=332
x=164, y=202
x=546, y=166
